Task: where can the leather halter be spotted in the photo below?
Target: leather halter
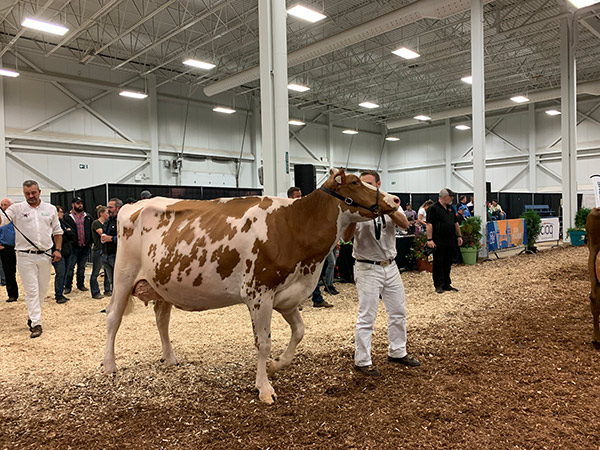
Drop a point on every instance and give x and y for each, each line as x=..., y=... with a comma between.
x=348, y=201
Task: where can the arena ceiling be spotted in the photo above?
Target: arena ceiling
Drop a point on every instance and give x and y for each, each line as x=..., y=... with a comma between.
x=142, y=37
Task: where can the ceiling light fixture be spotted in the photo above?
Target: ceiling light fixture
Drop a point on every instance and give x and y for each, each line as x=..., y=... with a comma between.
x=368, y=105
x=392, y=138
x=298, y=87
x=553, y=112
x=132, y=94
x=9, y=73
x=296, y=122
x=519, y=99
x=406, y=53
x=199, y=64
x=350, y=132
x=583, y=3
x=462, y=127
x=468, y=79
x=304, y=13
x=45, y=26
x=223, y=110
x=422, y=117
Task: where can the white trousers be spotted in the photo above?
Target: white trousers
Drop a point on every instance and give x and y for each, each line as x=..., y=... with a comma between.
x=35, y=273
x=371, y=282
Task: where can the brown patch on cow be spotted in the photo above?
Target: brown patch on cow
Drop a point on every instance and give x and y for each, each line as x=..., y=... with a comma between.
x=152, y=251
x=246, y=226
x=257, y=306
x=135, y=215
x=145, y=230
x=127, y=232
x=248, y=265
x=265, y=203
x=198, y=280
x=227, y=260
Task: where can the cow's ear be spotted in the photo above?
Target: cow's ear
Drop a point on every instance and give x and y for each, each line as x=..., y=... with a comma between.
x=333, y=171
x=340, y=177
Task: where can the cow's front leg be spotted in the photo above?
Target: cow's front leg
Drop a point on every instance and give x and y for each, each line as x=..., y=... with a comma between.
x=294, y=319
x=595, y=306
x=261, y=312
x=162, y=311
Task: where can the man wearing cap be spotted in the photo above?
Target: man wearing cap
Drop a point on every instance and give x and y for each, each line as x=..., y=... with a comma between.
x=145, y=195
x=80, y=221
x=443, y=234
x=36, y=224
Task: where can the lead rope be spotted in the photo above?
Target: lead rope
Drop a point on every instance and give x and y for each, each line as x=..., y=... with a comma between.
x=375, y=224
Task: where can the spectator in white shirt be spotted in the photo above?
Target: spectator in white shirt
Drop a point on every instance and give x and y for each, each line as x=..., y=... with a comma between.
x=36, y=223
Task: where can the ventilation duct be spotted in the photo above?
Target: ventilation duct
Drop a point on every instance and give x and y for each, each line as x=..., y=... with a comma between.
x=590, y=88
x=423, y=9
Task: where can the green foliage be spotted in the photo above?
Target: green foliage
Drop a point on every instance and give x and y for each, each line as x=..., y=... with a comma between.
x=471, y=232
x=581, y=218
x=533, y=224
x=419, y=246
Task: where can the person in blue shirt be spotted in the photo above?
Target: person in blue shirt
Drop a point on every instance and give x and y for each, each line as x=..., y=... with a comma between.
x=8, y=255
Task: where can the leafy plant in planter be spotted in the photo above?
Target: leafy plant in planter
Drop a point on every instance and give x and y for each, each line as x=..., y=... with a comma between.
x=420, y=253
x=471, y=232
x=577, y=233
x=533, y=225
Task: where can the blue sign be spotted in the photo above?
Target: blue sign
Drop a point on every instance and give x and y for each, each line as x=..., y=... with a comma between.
x=506, y=234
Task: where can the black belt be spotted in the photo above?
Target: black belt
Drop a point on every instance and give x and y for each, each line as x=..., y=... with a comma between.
x=385, y=263
x=34, y=252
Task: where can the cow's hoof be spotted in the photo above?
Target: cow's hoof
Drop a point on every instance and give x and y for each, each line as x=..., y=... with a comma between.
x=596, y=345
x=109, y=369
x=168, y=362
x=269, y=399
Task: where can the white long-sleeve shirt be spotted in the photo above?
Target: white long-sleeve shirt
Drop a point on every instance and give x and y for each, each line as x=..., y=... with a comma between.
x=38, y=224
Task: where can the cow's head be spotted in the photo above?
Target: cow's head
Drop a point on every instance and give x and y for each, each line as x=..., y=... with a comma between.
x=358, y=196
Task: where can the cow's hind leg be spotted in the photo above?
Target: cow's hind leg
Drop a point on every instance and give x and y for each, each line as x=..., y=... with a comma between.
x=261, y=313
x=162, y=311
x=115, y=310
x=294, y=319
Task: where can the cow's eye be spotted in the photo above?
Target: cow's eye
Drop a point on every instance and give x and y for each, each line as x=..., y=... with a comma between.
x=355, y=183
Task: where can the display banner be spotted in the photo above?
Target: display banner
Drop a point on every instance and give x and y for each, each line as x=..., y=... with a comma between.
x=506, y=234
x=596, y=186
x=550, y=230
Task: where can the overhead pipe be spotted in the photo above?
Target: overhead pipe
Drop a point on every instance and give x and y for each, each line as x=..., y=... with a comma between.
x=590, y=87
x=424, y=9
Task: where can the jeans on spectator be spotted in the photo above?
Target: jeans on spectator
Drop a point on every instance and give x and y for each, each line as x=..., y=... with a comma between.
x=79, y=257
x=108, y=262
x=330, y=270
x=317, y=298
x=96, y=266
x=60, y=270
x=2, y=278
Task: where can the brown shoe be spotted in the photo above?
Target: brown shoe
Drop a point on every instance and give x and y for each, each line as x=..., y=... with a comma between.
x=323, y=304
x=36, y=331
x=370, y=371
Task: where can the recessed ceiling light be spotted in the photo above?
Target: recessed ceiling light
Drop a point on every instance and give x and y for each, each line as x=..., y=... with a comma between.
x=468, y=80
x=298, y=87
x=296, y=122
x=462, y=127
x=406, y=53
x=199, y=64
x=368, y=105
x=392, y=138
x=583, y=3
x=133, y=94
x=553, y=112
x=350, y=132
x=422, y=117
x=304, y=13
x=9, y=73
x=223, y=110
x=519, y=99
x=45, y=26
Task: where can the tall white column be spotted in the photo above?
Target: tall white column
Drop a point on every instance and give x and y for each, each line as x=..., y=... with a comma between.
x=255, y=146
x=3, y=174
x=274, y=96
x=568, y=124
x=532, y=149
x=448, y=154
x=478, y=102
x=153, y=128
x=330, y=140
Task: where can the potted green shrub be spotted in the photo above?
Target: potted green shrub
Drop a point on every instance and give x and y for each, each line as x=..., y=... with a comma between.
x=421, y=254
x=471, y=235
x=533, y=225
x=577, y=233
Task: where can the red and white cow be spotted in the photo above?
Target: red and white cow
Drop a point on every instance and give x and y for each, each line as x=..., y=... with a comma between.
x=266, y=252
x=592, y=227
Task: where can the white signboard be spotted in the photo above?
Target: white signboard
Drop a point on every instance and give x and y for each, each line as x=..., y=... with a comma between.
x=596, y=185
x=550, y=230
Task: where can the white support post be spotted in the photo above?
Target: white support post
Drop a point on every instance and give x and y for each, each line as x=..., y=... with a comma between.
x=3, y=173
x=153, y=127
x=568, y=123
x=532, y=149
x=448, y=154
x=383, y=164
x=255, y=146
x=274, y=96
x=478, y=102
x=330, y=140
